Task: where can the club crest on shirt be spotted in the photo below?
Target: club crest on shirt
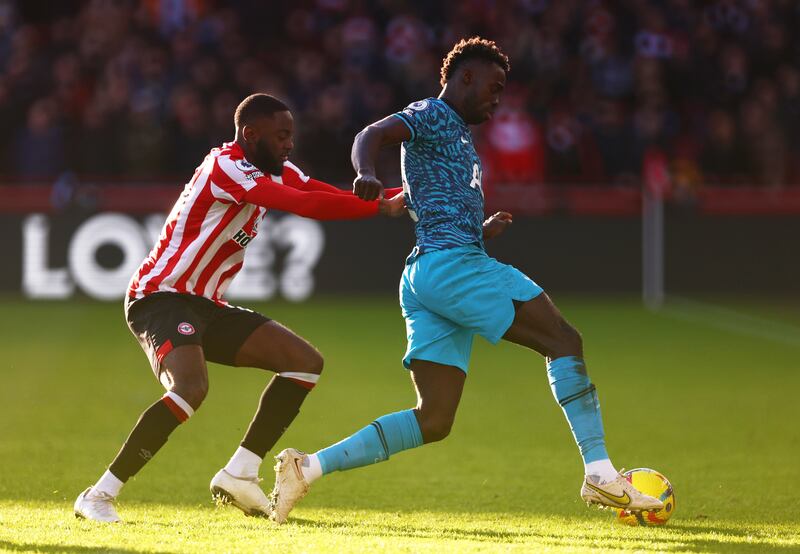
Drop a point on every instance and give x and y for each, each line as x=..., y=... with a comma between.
x=416, y=107
x=185, y=328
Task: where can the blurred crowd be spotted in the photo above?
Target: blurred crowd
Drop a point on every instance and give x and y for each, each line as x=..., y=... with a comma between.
x=600, y=92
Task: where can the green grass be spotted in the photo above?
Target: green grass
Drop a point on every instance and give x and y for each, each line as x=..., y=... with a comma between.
x=721, y=423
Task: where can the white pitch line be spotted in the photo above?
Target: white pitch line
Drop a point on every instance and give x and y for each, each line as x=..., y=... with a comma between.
x=732, y=321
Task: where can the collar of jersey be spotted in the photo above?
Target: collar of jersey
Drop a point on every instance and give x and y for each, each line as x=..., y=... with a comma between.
x=452, y=109
x=236, y=152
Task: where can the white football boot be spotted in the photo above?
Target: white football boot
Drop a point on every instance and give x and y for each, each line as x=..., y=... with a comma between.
x=97, y=506
x=243, y=493
x=619, y=493
x=290, y=485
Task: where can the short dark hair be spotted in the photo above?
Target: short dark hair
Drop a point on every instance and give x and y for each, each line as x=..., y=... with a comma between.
x=471, y=49
x=257, y=105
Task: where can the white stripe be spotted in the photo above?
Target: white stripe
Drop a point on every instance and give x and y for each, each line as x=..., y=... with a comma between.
x=303, y=177
x=177, y=232
x=212, y=218
x=228, y=166
x=305, y=377
x=213, y=282
x=221, y=194
x=182, y=404
x=222, y=237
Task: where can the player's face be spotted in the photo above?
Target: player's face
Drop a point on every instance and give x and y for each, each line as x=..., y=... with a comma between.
x=486, y=85
x=271, y=141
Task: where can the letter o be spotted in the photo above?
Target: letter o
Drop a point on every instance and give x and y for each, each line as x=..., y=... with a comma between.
x=110, y=228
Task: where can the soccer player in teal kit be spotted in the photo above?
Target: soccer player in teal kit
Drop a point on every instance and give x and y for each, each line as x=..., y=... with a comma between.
x=452, y=290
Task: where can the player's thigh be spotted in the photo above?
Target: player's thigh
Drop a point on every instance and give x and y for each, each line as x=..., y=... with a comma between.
x=474, y=290
x=433, y=338
x=249, y=339
x=167, y=322
x=539, y=325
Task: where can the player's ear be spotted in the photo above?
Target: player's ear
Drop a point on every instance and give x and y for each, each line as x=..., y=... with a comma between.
x=249, y=133
x=466, y=76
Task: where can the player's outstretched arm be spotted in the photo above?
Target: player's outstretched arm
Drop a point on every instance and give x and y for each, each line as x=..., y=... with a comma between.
x=320, y=205
x=312, y=184
x=366, y=146
x=496, y=224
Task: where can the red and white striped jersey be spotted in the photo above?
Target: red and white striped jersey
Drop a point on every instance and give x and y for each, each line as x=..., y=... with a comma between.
x=202, y=244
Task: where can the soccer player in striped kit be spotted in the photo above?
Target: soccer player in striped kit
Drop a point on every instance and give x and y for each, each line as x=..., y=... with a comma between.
x=175, y=307
x=452, y=290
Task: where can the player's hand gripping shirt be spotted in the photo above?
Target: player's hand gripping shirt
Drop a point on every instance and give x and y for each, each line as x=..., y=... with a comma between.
x=441, y=177
x=202, y=244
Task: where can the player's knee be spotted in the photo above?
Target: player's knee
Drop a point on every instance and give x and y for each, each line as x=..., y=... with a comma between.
x=193, y=393
x=312, y=362
x=571, y=343
x=435, y=428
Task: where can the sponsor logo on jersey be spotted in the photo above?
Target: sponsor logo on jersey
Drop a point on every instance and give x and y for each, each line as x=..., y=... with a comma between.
x=185, y=328
x=241, y=238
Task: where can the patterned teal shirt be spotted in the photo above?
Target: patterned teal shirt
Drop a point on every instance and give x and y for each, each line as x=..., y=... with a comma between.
x=441, y=178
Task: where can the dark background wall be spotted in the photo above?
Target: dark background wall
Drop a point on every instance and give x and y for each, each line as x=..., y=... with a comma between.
x=703, y=254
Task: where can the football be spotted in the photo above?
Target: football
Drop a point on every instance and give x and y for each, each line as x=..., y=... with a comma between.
x=651, y=482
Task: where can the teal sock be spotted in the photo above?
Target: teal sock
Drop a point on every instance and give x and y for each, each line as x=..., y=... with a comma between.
x=578, y=398
x=374, y=443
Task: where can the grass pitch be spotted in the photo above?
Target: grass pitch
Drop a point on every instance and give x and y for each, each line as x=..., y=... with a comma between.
x=718, y=416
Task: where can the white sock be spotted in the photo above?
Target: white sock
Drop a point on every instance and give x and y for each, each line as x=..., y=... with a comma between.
x=603, y=469
x=108, y=484
x=243, y=464
x=311, y=468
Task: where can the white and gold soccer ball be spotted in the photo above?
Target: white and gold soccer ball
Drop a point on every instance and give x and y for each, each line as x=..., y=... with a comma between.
x=653, y=483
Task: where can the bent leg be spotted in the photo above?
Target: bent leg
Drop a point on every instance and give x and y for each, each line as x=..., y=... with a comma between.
x=273, y=347
x=438, y=391
x=540, y=326
x=184, y=375
x=298, y=366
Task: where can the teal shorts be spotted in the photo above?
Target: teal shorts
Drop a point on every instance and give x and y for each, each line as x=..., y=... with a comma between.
x=449, y=296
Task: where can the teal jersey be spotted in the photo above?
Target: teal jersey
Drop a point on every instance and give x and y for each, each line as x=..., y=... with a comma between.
x=441, y=178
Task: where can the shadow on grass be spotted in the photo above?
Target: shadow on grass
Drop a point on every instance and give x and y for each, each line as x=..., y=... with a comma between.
x=6, y=546
x=664, y=538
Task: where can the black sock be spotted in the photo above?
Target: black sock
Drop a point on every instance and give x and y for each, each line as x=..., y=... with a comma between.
x=148, y=435
x=279, y=405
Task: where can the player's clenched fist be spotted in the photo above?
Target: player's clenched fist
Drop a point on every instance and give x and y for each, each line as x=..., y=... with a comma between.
x=367, y=187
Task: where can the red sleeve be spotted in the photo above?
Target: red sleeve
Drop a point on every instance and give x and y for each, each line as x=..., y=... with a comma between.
x=315, y=204
x=313, y=184
x=294, y=177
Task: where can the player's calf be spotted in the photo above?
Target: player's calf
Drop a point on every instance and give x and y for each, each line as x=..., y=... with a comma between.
x=237, y=482
x=295, y=471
